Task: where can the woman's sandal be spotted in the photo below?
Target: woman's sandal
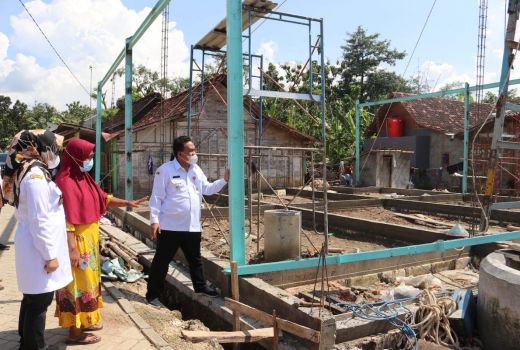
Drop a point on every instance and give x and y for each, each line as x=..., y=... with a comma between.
x=84, y=339
x=93, y=328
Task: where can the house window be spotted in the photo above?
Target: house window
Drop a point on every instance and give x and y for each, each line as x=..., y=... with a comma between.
x=445, y=160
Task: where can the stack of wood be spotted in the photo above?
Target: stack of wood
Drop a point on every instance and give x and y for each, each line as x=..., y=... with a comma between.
x=113, y=248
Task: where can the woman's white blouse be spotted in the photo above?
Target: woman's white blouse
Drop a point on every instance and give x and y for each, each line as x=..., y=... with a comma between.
x=41, y=235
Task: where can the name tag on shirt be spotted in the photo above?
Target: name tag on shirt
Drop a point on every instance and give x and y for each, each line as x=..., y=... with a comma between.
x=176, y=177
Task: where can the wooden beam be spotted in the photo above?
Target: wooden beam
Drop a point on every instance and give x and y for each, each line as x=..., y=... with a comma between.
x=250, y=336
x=276, y=332
x=287, y=326
x=236, y=296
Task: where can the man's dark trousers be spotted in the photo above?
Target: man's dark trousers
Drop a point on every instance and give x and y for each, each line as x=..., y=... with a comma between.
x=31, y=322
x=168, y=242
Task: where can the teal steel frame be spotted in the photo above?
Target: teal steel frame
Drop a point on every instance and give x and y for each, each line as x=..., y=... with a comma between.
x=440, y=245
x=126, y=54
x=235, y=130
x=465, y=90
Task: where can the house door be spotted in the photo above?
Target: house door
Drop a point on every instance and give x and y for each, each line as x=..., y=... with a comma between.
x=386, y=178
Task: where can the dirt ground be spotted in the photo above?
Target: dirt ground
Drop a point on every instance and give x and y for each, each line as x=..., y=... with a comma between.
x=168, y=324
x=388, y=216
x=289, y=200
x=214, y=238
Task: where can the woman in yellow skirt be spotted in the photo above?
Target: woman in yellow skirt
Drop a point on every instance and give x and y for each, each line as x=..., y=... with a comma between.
x=78, y=304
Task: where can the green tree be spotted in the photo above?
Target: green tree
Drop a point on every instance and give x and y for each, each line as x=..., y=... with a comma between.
x=145, y=82
x=363, y=55
x=77, y=113
x=12, y=119
x=41, y=115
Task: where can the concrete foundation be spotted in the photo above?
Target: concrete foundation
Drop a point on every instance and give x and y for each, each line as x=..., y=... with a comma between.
x=498, y=308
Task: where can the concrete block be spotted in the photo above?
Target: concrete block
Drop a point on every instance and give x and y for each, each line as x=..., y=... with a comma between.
x=139, y=321
x=154, y=337
x=126, y=306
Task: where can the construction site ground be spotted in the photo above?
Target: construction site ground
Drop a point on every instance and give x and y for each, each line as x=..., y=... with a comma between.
x=168, y=323
x=392, y=217
x=214, y=238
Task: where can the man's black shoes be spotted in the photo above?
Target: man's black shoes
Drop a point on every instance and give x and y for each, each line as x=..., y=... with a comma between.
x=210, y=292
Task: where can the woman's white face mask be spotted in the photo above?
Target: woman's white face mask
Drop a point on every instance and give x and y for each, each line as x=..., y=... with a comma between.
x=53, y=163
x=88, y=164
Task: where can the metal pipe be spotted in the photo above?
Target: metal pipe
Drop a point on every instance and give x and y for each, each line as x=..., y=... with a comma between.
x=235, y=130
x=202, y=78
x=358, y=142
x=259, y=192
x=250, y=191
x=439, y=246
x=466, y=140
x=97, y=164
x=260, y=102
x=274, y=148
x=313, y=194
x=114, y=165
x=128, y=122
x=324, y=141
x=154, y=13
x=190, y=92
x=436, y=94
x=278, y=13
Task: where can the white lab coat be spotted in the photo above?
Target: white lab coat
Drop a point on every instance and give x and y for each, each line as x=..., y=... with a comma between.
x=41, y=236
x=177, y=196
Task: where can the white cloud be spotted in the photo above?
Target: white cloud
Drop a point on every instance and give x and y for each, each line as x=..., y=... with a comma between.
x=267, y=49
x=85, y=32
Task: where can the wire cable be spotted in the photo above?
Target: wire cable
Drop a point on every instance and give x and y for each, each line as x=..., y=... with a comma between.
x=54, y=49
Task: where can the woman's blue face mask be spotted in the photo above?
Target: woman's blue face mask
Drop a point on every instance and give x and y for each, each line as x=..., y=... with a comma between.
x=88, y=164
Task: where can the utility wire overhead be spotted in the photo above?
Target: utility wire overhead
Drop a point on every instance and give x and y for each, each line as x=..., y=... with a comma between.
x=54, y=49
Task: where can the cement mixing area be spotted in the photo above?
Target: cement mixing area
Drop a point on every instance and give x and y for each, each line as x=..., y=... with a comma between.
x=397, y=275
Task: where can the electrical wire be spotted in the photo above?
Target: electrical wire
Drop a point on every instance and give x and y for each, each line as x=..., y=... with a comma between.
x=54, y=49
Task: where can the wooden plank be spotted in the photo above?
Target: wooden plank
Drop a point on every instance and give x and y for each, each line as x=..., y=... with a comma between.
x=235, y=295
x=427, y=220
x=276, y=332
x=285, y=325
x=250, y=336
x=317, y=302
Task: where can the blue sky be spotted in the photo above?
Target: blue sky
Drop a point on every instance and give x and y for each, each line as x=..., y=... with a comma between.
x=92, y=32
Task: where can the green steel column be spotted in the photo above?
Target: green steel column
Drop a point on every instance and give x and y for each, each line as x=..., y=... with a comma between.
x=235, y=130
x=358, y=160
x=128, y=121
x=466, y=140
x=114, y=165
x=97, y=163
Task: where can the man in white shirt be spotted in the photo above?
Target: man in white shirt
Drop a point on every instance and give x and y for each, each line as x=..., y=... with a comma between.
x=175, y=206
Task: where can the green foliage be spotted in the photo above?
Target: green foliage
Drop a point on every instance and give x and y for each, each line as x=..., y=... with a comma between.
x=358, y=76
x=363, y=55
x=12, y=119
x=145, y=82
x=77, y=113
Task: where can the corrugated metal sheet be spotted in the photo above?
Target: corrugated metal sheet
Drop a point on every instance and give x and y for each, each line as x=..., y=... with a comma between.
x=216, y=38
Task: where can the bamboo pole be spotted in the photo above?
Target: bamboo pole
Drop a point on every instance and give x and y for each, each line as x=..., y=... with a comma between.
x=134, y=264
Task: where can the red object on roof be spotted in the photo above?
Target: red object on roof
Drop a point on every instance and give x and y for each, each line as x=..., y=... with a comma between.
x=394, y=127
